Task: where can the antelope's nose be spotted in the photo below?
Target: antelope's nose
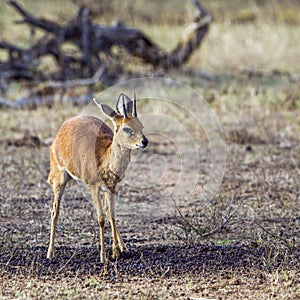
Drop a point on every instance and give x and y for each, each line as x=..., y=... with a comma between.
x=144, y=142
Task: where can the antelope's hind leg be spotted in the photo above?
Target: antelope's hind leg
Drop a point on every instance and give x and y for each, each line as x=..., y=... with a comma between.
x=59, y=182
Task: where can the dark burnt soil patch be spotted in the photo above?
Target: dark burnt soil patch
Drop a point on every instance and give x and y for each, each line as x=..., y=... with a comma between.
x=162, y=260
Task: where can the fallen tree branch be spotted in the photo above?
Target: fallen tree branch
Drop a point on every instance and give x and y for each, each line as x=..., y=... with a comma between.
x=78, y=82
x=6, y=103
x=93, y=43
x=29, y=18
x=43, y=97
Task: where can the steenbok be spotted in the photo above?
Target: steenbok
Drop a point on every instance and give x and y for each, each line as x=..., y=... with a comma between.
x=86, y=149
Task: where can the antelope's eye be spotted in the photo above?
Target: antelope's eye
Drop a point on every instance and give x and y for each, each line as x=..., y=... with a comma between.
x=129, y=131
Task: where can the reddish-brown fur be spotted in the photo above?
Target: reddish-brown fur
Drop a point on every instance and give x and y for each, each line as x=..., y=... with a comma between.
x=83, y=134
x=86, y=149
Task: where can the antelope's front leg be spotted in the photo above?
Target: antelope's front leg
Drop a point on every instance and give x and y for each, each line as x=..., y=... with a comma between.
x=117, y=244
x=101, y=219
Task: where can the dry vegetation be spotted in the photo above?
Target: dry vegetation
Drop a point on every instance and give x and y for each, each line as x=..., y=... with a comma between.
x=243, y=244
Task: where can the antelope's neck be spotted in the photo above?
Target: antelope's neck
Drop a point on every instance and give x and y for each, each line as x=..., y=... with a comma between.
x=119, y=159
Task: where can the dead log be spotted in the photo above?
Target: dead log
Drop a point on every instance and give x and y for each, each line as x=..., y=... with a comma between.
x=47, y=96
x=92, y=41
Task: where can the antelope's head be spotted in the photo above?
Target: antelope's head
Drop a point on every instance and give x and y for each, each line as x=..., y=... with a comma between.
x=128, y=129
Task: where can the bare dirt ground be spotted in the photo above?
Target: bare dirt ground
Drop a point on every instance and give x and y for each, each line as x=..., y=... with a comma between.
x=242, y=244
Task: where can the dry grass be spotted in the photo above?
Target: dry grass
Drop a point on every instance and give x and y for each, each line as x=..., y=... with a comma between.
x=258, y=46
x=174, y=252
x=255, y=255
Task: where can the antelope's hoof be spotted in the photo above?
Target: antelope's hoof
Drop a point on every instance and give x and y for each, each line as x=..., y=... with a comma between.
x=118, y=254
x=50, y=255
x=102, y=258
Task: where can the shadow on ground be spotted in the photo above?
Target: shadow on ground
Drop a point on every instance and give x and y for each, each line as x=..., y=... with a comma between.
x=144, y=260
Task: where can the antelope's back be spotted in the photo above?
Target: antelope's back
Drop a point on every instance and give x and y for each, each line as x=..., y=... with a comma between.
x=80, y=147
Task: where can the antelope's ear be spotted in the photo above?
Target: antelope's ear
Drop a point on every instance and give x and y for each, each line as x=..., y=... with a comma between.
x=124, y=105
x=107, y=110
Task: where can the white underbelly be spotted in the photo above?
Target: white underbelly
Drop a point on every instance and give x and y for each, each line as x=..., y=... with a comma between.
x=72, y=175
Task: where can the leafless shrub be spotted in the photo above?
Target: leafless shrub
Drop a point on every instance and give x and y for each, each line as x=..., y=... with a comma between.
x=206, y=225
